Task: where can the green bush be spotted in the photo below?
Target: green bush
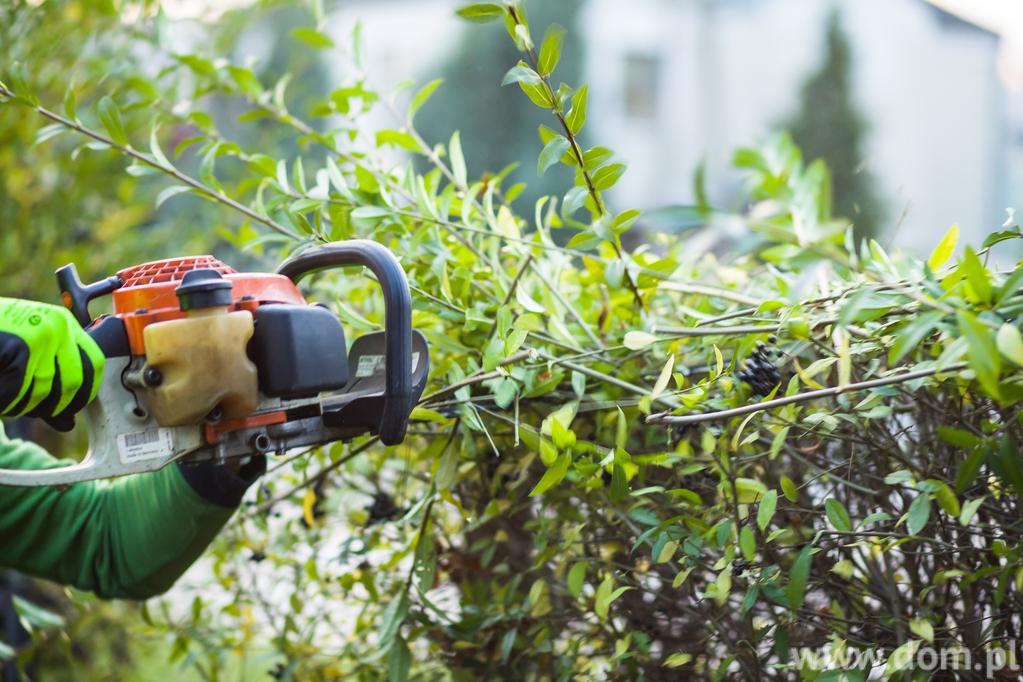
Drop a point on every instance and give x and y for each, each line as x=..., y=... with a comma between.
x=627, y=465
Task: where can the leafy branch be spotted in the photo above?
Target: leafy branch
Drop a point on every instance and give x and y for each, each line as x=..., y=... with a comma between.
x=157, y=160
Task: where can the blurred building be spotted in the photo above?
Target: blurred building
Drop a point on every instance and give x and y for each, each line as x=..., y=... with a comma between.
x=674, y=83
x=677, y=82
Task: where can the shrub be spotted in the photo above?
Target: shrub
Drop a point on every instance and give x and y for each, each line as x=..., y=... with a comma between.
x=629, y=465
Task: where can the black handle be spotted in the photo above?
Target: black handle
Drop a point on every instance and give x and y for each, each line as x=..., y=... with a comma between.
x=76, y=296
x=398, y=314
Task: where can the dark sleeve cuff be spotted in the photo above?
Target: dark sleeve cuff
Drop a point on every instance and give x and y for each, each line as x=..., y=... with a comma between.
x=219, y=485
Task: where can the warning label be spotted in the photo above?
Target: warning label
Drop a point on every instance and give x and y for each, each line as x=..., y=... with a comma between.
x=374, y=364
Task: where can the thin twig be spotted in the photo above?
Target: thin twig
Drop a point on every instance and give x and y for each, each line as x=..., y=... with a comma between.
x=665, y=418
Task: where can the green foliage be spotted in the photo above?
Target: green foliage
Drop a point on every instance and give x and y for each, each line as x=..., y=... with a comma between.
x=498, y=126
x=829, y=127
x=590, y=488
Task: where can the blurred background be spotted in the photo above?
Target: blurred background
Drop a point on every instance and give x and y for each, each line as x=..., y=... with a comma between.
x=916, y=105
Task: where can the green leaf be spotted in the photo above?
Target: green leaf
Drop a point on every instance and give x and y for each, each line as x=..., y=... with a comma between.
x=48, y=132
x=1010, y=343
x=577, y=115
x=837, y=515
x=70, y=103
x=521, y=73
x=606, y=595
x=551, y=154
x=458, y=168
x=765, y=512
x=747, y=543
x=970, y=510
x=574, y=200
x=605, y=177
x=554, y=474
x=908, y=337
x=619, y=483
x=919, y=512
x=311, y=37
x=154, y=148
x=977, y=275
x=576, y=576
x=399, y=138
x=246, y=80
x=798, y=577
x=169, y=192
x=789, y=489
x=399, y=662
x=421, y=97
x=970, y=467
x=538, y=93
x=943, y=251
x=981, y=351
x=110, y=117
x=958, y=437
x=625, y=220
x=902, y=657
x=392, y=618
x=946, y=498
x=550, y=49
x=481, y=13
x=36, y=616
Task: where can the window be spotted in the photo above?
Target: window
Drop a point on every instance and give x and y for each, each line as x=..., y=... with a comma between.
x=642, y=84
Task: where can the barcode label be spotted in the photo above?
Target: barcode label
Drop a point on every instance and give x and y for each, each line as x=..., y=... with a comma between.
x=142, y=445
x=132, y=440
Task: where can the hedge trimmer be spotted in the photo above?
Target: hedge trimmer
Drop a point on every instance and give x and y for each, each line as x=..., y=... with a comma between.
x=206, y=363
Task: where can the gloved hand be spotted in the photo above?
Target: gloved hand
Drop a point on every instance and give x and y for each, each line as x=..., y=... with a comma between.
x=49, y=367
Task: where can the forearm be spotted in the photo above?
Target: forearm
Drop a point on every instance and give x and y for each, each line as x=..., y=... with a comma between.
x=130, y=537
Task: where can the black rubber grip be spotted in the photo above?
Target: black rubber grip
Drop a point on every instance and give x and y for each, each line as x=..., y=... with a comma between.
x=397, y=404
x=76, y=295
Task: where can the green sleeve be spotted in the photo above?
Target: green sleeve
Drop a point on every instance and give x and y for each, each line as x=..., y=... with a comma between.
x=130, y=537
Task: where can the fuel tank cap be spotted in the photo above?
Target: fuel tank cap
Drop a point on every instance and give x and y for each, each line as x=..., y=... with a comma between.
x=203, y=288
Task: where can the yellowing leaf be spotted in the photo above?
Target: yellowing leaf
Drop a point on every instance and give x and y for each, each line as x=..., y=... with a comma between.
x=843, y=568
x=677, y=660
x=749, y=490
x=922, y=628
x=667, y=552
x=943, y=251
x=308, y=503
x=664, y=378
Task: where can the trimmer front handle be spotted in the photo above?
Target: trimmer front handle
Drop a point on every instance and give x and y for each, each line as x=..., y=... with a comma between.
x=398, y=392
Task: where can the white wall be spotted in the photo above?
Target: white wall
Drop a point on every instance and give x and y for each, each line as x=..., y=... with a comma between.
x=733, y=70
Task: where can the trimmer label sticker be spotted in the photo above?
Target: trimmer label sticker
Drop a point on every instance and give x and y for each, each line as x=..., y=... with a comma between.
x=375, y=364
x=151, y=444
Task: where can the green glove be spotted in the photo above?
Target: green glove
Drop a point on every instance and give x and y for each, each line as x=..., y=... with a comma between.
x=49, y=367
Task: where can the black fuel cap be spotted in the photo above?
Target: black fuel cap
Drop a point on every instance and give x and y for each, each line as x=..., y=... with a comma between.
x=203, y=288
